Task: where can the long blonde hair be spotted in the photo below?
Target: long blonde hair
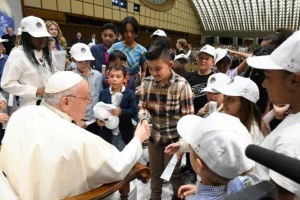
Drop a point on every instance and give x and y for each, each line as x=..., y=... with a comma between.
x=62, y=41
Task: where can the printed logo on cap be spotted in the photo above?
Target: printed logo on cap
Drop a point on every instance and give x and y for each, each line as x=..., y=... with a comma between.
x=231, y=81
x=212, y=80
x=83, y=50
x=291, y=64
x=39, y=25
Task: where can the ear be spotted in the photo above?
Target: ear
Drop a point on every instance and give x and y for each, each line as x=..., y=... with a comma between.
x=171, y=63
x=199, y=165
x=295, y=81
x=64, y=104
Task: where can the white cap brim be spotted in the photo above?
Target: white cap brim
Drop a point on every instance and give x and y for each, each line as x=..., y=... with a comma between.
x=3, y=40
x=226, y=91
x=263, y=62
x=83, y=58
x=209, y=89
x=39, y=34
x=186, y=125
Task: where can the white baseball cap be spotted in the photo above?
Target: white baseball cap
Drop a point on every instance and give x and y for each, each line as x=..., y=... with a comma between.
x=242, y=87
x=158, y=32
x=285, y=57
x=210, y=50
x=181, y=56
x=3, y=40
x=35, y=26
x=62, y=80
x=220, y=54
x=215, y=81
x=102, y=112
x=81, y=52
x=221, y=147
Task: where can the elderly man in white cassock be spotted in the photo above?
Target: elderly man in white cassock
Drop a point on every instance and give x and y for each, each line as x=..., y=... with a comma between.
x=46, y=156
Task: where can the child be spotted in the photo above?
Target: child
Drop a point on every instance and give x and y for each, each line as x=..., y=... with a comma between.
x=165, y=97
x=126, y=110
x=241, y=94
x=118, y=57
x=82, y=56
x=215, y=80
x=217, y=154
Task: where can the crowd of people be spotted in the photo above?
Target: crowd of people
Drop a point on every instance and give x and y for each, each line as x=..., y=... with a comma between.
x=65, y=132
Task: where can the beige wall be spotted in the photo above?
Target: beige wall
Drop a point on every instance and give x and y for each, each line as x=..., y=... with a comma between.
x=180, y=18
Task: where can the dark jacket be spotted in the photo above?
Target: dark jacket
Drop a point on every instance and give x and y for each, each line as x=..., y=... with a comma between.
x=129, y=110
x=98, y=53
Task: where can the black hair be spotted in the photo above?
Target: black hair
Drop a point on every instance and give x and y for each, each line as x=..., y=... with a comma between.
x=110, y=26
x=28, y=50
x=131, y=20
x=118, y=67
x=262, y=51
x=117, y=54
x=280, y=35
x=159, y=49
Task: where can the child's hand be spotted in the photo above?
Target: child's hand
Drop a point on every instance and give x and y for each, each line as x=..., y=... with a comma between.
x=172, y=148
x=203, y=111
x=186, y=190
x=2, y=105
x=3, y=117
x=100, y=123
x=116, y=112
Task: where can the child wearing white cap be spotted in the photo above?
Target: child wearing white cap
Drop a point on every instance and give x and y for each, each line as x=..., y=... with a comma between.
x=241, y=94
x=81, y=55
x=223, y=63
x=217, y=154
x=215, y=99
x=198, y=79
x=282, y=70
x=29, y=67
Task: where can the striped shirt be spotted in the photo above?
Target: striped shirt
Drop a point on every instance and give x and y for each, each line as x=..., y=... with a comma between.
x=163, y=105
x=211, y=192
x=135, y=56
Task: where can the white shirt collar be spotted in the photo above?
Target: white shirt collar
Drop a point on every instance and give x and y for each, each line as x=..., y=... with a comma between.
x=122, y=89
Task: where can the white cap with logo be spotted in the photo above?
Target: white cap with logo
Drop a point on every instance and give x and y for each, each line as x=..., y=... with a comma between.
x=181, y=56
x=81, y=52
x=35, y=26
x=285, y=57
x=240, y=86
x=210, y=50
x=221, y=147
x=215, y=81
x=220, y=54
x=158, y=32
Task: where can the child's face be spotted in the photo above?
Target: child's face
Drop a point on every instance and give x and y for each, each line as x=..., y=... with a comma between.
x=217, y=97
x=108, y=37
x=204, y=61
x=232, y=105
x=223, y=67
x=52, y=46
x=160, y=70
x=83, y=65
x=116, y=78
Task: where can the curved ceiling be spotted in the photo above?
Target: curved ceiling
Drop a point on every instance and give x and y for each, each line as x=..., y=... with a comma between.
x=247, y=15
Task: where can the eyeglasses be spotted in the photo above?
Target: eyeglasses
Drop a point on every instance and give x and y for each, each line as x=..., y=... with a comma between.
x=86, y=100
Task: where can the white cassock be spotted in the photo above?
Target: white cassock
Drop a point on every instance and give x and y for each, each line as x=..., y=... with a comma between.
x=45, y=156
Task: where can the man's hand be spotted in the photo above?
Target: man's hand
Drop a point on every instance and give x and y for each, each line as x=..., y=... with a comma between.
x=281, y=111
x=2, y=105
x=3, y=117
x=143, y=131
x=40, y=92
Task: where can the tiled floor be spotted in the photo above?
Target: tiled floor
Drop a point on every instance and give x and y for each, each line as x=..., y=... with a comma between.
x=143, y=190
